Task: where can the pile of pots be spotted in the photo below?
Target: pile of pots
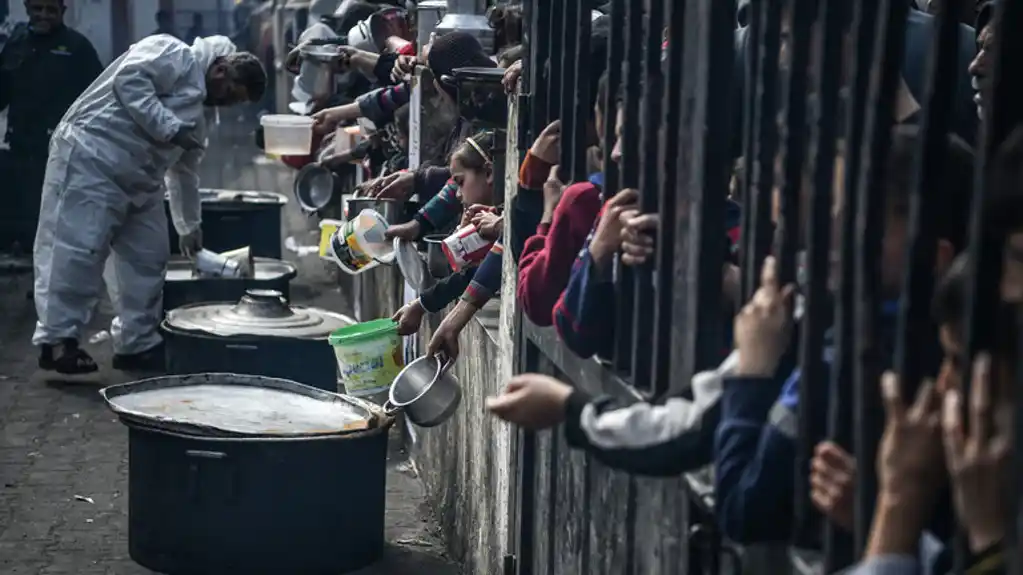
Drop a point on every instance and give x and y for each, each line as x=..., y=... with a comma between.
x=247, y=457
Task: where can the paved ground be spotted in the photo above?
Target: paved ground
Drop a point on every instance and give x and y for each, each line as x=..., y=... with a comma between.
x=63, y=456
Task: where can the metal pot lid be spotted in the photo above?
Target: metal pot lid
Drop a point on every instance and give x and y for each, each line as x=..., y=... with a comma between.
x=210, y=195
x=235, y=405
x=259, y=313
x=180, y=268
x=412, y=265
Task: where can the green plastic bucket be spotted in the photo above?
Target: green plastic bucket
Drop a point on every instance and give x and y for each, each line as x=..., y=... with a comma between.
x=369, y=356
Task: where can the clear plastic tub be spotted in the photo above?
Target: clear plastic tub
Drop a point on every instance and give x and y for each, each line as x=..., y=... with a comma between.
x=287, y=135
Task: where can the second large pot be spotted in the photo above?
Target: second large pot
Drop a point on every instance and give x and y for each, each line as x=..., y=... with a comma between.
x=183, y=286
x=259, y=335
x=232, y=219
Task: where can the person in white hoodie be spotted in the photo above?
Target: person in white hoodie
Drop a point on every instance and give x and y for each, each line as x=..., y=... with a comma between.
x=138, y=129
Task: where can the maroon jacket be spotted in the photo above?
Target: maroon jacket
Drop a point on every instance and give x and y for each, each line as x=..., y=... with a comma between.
x=546, y=262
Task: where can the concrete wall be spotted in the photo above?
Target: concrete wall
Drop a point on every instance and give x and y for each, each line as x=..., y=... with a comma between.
x=467, y=462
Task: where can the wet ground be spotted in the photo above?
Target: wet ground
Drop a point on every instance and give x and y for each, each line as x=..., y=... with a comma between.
x=63, y=455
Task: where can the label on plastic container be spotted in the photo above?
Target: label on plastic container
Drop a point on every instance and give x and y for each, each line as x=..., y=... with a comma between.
x=464, y=247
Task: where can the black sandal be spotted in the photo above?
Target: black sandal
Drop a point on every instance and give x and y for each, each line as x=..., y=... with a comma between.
x=69, y=360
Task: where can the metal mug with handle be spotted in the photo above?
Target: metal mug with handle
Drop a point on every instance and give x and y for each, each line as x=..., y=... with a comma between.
x=425, y=391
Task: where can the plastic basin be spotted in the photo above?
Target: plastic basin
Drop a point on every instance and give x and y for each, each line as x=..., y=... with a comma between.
x=287, y=135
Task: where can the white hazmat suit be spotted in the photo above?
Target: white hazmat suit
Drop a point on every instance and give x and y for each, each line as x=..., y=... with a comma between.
x=109, y=160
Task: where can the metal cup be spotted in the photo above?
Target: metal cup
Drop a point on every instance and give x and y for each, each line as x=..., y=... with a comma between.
x=212, y=264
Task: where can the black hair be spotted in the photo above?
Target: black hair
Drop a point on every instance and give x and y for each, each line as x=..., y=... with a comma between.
x=471, y=158
x=249, y=72
x=162, y=15
x=356, y=12
x=952, y=203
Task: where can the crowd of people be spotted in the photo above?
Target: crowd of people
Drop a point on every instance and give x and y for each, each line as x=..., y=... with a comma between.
x=741, y=419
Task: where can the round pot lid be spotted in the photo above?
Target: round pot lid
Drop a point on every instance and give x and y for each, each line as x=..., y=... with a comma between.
x=412, y=265
x=259, y=313
x=180, y=268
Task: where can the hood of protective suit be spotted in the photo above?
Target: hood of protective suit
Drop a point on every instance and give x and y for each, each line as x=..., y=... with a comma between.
x=208, y=49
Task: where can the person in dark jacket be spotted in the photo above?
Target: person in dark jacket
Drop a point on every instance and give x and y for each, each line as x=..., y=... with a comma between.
x=44, y=67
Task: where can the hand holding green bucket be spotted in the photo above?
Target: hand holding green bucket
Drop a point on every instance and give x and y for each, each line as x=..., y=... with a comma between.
x=369, y=356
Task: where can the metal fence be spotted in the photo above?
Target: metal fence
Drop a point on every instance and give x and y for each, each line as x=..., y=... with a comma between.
x=816, y=84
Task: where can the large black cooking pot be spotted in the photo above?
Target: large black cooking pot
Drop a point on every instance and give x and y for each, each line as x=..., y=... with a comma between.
x=481, y=96
x=233, y=219
x=267, y=478
x=259, y=335
x=183, y=286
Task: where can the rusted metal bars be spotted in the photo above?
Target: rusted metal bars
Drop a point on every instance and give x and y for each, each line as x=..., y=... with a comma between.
x=570, y=69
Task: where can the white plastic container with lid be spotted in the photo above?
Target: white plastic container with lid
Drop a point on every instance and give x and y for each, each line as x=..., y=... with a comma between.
x=287, y=135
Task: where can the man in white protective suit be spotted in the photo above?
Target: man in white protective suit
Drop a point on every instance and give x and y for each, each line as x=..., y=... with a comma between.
x=140, y=126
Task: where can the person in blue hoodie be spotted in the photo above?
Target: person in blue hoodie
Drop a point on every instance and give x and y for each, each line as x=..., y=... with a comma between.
x=755, y=444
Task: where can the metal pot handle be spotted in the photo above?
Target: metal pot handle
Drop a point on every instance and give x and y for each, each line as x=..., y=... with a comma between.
x=389, y=408
x=445, y=363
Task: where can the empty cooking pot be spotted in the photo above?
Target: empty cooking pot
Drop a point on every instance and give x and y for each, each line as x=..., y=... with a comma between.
x=314, y=187
x=394, y=211
x=436, y=261
x=426, y=391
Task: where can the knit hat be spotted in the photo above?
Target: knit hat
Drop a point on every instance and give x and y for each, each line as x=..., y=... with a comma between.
x=456, y=50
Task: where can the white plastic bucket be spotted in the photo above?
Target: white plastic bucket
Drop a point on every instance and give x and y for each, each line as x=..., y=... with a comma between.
x=287, y=135
x=369, y=356
x=357, y=245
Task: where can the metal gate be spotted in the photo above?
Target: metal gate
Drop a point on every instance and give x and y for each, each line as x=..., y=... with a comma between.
x=805, y=82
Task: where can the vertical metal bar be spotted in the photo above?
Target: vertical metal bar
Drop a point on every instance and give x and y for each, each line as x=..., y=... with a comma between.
x=670, y=152
x=649, y=186
x=818, y=236
x=615, y=59
x=890, y=36
x=840, y=425
x=929, y=192
x=765, y=143
x=570, y=63
x=556, y=73
x=824, y=123
x=583, y=85
x=536, y=69
x=793, y=137
x=704, y=176
x=629, y=172
x=750, y=115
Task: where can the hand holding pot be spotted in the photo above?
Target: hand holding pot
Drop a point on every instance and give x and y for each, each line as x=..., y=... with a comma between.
x=532, y=401
x=409, y=317
x=403, y=68
x=398, y=187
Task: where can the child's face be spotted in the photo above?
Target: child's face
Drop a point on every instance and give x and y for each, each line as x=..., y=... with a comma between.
x=474, y=187
x=616, y=151
x=950, y=374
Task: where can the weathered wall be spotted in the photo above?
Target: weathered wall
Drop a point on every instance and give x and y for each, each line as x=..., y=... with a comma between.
x=466, y=463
